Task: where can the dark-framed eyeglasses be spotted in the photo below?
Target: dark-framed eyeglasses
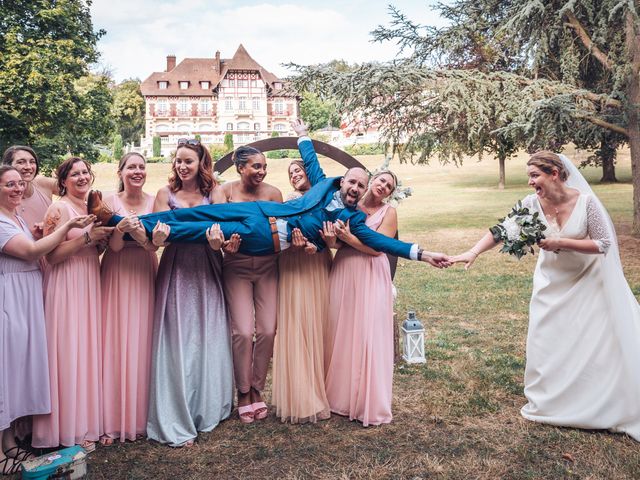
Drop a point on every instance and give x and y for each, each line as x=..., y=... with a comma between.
x=22, y=184
x=188, y=141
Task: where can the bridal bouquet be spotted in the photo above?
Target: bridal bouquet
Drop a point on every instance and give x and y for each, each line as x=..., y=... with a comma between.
x=518, y=231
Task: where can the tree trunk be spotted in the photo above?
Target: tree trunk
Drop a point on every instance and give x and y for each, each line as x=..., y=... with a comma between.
x=608, y=158
x=633, y=126
x=501, y=160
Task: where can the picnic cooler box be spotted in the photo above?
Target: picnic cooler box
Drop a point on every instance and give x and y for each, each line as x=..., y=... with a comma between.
x=66, y=464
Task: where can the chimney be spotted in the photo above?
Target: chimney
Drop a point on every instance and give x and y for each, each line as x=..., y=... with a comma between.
x=171, y=62
x=217, y=62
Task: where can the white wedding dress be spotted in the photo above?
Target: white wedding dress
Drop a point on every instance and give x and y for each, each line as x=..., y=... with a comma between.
x=583, y=345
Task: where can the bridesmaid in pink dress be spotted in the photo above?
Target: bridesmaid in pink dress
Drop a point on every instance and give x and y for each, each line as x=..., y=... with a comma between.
x=72, y=317
x=39, y=191
x=359, y=374
x=127, y=279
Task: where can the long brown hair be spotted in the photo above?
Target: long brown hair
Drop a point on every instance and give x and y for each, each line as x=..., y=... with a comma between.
x=123, y=162
x=206, y=182
x=62, y=172
x=9, y=153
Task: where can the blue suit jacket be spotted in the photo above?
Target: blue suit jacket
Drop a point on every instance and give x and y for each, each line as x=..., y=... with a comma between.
x=308, y=212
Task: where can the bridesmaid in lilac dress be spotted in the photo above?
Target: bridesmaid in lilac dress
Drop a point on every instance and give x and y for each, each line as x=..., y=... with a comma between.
x=191, y=385
x=23, y=344
x=359, y=374
x=128, y=292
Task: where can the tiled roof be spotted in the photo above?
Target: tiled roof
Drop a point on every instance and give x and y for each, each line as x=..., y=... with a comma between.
x=196, y=70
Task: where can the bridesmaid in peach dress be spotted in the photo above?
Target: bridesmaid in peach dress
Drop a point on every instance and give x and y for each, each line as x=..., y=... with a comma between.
x=303, y=295
x=127, y=278
x=72, y=317
x=360, y=370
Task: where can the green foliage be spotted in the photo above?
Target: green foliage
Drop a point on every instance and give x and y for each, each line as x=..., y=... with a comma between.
x=49, y=100
x=157, y=146
x=228, y=141
x=365, y=149
x=217, y=151
x=104, y=158
x=276, y=153
x=128, y=110
x=318, y=113
x=157, y=159
x=118, y=150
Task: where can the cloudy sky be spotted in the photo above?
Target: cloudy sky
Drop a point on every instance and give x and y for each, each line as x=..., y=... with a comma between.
x=141, y=33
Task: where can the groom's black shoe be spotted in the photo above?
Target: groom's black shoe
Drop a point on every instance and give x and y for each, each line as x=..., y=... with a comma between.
x=97, y=207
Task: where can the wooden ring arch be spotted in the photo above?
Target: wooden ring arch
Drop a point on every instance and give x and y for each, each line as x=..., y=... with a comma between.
x=291, y=143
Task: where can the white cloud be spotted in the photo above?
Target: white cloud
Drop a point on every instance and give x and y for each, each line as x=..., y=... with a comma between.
x=140, y=34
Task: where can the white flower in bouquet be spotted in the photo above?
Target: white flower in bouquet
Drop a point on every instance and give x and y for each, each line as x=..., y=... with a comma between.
x=518, y=231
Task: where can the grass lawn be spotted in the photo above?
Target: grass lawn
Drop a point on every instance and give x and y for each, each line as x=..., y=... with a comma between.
x=457, y=417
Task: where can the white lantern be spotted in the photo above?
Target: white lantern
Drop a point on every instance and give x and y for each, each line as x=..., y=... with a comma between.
x=413, y=340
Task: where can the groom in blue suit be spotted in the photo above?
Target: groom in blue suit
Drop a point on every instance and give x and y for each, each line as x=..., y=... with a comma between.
x=266, y=227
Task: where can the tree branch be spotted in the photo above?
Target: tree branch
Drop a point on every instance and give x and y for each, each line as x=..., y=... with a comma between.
x=604, y=124
x=586, y=40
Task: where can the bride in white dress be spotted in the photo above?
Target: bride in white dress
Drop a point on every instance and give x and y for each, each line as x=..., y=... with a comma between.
x=583, y=345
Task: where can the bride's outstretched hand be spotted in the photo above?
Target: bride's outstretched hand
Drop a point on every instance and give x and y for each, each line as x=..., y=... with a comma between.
x=467, y=258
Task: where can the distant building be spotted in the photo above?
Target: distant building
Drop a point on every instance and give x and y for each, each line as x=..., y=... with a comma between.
x=212, y=96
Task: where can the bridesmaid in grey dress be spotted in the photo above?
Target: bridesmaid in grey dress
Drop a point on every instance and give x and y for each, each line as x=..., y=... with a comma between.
x=191, y=388
x=24, y=371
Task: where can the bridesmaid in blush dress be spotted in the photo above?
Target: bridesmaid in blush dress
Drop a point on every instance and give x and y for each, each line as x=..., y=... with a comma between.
x=72, y=314
x=359, y=373
x=191, y=384
x=127, y=277
x=303, y=296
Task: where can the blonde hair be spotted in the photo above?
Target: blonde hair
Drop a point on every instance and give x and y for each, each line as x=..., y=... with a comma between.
x=547, y=162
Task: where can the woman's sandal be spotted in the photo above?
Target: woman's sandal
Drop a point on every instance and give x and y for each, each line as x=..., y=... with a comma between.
x=106, y=441
x=21, y=454
x=246, y=413
x=260, y=410
x=88, y=445
x=9, y=469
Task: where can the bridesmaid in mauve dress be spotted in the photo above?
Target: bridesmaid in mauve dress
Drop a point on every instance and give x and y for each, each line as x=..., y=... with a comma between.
x=72, y=313
x=128, y=294
x=23, y=347
x=359, y=375
x=191, y=385
x=303, y=296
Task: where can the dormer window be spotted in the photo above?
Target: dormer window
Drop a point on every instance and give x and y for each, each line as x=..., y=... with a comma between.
x=184, y=85
x=204, y=85
x=163, y=85
x=277, y=85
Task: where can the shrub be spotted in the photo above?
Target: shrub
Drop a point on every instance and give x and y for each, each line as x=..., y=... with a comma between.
x=157, y=146
x=228, y=141
x=364, y=149
x=157, y=159
x=218, y=151
x=118, y=150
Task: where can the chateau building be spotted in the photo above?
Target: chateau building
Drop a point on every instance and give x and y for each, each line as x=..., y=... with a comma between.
x=210, y=97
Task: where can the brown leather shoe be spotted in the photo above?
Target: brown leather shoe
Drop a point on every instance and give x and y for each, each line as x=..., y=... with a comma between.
x=97, y=207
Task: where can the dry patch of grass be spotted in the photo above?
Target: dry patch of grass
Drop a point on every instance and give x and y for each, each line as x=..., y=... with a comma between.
x=457, y=416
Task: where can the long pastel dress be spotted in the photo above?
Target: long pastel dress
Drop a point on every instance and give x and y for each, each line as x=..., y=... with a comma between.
x=359, y=373
x=298, y=365
x=191, y=386
x=34, y=208
x=128, y=296
x=73, y=312
x=24, y=371
x=582, y=368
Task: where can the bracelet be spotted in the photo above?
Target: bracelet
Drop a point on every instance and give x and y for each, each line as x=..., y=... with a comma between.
x=87, y=239
x=118, y=229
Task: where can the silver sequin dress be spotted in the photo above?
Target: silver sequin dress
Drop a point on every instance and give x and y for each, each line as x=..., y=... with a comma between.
x=191, y=387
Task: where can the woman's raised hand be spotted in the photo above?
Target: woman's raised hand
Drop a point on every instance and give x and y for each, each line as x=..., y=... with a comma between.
x=298, y=240
x=215, y=237
x=328, y=234
x=81, y=221
x=128, y=224
x=160, y=234
x=467, y=258
x=233, y=244
x=301, y=129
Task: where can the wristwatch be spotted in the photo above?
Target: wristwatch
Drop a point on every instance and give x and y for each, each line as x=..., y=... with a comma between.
x=420, y=252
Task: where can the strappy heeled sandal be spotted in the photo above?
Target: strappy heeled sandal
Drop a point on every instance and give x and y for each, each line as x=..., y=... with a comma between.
x=21, y=454
x=9, y=469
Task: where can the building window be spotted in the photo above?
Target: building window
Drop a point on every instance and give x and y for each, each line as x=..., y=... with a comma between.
x=228, y=104
x=256, y=127
x=204, y=107
x=204, y=85
x=254, y=83
x=279, y=106
x=277, y=85
x=243, y=83
x=184, y=85
x=162, y=106
x=163, y=85
x=255, y=102
x=183, y=106
x=243, y=126
x=242, y=103
x=232, y=83
x=280, y=127
x=229, y=127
